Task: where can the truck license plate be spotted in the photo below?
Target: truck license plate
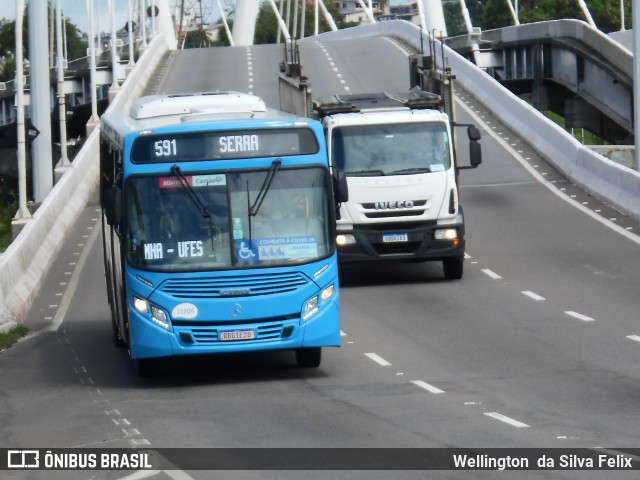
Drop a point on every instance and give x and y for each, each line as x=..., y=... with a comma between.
x=237, y=334
x=395, y=237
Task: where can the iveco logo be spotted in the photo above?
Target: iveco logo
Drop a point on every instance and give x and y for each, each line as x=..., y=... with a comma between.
x=394, y=205
x=236, y=310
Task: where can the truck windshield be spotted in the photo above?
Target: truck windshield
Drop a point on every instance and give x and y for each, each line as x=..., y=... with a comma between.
x=166, y=230
x=391, y=149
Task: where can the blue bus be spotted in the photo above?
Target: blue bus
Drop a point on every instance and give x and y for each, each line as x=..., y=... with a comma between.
x=218, y=223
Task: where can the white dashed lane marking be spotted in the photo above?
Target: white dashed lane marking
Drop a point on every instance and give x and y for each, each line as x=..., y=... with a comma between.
x=579, y=316
x=378, y=359
x=506, y=419
x=426, y=386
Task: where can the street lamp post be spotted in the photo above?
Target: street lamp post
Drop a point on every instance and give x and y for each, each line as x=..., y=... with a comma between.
x=23, y=212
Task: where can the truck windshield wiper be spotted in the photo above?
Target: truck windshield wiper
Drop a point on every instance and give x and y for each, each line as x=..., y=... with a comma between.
x=176, y=172
x=366, y=173
x=409, y=171
x=266, y=185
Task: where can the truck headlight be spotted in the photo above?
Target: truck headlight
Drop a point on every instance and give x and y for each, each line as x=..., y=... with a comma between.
x=345, y=239
x=446, y=234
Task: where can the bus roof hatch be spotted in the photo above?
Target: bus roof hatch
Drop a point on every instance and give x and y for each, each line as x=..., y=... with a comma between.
x=184, y=104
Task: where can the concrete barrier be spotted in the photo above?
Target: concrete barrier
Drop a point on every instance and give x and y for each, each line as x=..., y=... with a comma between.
x=612, y=183
x=24, y=264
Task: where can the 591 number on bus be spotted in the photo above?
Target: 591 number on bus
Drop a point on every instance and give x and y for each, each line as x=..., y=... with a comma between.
x=166, y=148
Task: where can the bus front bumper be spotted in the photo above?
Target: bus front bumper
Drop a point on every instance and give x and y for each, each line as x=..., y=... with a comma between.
x=321, y=330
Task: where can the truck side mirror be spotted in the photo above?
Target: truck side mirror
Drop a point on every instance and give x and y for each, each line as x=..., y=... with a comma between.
x=341, y=188
x=473, y=132
x=475, y=150
x=113, y=207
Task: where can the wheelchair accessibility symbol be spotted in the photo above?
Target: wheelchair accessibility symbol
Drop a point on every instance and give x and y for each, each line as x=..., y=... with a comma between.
x=244, y=252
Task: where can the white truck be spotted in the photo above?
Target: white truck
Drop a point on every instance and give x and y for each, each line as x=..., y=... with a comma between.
x=397, y=152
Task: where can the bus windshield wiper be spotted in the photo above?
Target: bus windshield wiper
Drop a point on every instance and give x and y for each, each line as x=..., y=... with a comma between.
x=204, y=211
x=266, y=185
x=409, y=171
x=365, y=173
x=176, y=172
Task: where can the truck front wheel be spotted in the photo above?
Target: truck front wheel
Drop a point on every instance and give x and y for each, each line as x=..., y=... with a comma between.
x=453, y=268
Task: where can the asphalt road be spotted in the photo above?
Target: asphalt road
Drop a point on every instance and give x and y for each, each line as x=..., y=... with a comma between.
x=537, y=346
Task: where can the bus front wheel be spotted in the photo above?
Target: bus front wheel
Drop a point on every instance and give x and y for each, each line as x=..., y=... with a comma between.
x=143, y=366
x=309, y=357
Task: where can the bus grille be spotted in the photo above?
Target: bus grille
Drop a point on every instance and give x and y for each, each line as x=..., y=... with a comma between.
x=208, y=335
x=236, y=286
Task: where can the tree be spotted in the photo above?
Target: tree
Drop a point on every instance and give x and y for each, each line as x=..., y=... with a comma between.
x=198, y=38
x=495, y=14
x=267, y=26
x=605, y=13
x=453, y=16
x=76, y=40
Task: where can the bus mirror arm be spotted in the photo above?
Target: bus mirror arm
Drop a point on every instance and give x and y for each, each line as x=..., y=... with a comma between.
x=113, y=208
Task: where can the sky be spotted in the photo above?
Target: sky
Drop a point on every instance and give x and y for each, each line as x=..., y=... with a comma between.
x=76, y=11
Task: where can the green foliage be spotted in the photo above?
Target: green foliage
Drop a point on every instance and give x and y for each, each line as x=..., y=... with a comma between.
x=453, y=16
x=586, y=137
x=76, y=40
x=267, y=26
x=8, y=70
x=12, y=336
x=605, y=13
x=8, y=209
x=197, y=39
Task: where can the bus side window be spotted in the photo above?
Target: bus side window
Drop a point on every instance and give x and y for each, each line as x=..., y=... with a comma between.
x=110, y=184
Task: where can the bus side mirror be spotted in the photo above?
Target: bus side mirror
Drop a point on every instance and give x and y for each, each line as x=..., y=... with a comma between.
x=475, y=150
x=113, y=207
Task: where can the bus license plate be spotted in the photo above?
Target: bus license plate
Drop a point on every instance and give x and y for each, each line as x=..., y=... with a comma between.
x=395, y=237
x=238, y=334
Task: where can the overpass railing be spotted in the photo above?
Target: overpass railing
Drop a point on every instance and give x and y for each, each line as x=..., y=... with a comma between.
x=612, y=183
x=25, y=262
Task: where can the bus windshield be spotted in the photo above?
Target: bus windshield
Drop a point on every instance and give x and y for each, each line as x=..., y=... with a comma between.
x=391, y=149
x=205, y=221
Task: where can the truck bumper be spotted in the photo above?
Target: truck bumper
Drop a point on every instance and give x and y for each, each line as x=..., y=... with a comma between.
x=411, y=242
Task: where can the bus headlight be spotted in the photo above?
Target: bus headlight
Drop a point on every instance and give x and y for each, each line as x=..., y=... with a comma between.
x=327, y=293
x=310, y=308
x=141, y=305
x=159, y=317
